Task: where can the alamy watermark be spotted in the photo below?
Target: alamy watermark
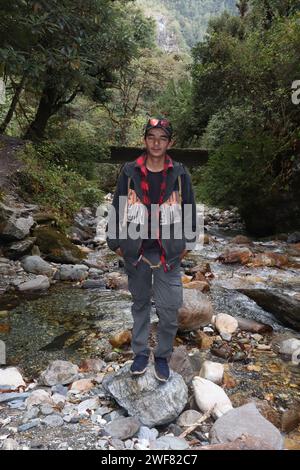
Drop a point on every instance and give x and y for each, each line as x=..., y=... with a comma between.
x=296, y=357
x=2, y=91
x=171, y=221
x=2, y=353
x=296, y=93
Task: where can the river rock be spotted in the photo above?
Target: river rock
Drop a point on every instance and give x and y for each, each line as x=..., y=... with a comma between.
x=116, y=280
x=39, y=397
x=92, y=365
x=212, y=371
x=243, y=443
x=93, y=284
x=89, y=404
x=31, y=424
x=40, y=282
x=246, y=324
x=283, y=306
x=13, y=226
x=36, y=265
x=11, y=377
x=235, y=255
x=188, y=418
x=199, y=285
x=245, y=420
x=120, y=339
x=180, y=363
x=269, y=259
x=53, y=421
x=56, y=247
x=148, y=434
x=195, y=312
x=209, y=395
x=173, y=443
x=294, y=237
x=241, y=240
x=82, y=385
x=10, y=444
x=59, y=372
x=290, y=346
x=203, y=340
x=290, y=418
x=20, y=248
x=144, y=397
x=225, y=323
x=67, y=272
x=123, y=428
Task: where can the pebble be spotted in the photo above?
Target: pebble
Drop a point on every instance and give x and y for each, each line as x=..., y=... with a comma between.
x=29, y=425
x=54, y=421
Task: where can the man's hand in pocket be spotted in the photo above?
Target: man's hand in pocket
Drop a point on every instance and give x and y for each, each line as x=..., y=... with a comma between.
x=119, y=252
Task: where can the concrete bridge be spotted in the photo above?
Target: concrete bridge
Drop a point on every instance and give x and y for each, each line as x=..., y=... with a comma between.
x=189, y=157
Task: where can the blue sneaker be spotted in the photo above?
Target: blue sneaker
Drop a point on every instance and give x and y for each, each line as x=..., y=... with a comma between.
x=161, y=369
x=139, y=364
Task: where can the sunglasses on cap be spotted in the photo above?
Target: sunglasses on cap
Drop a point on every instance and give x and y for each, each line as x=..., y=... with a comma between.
x=159, y=123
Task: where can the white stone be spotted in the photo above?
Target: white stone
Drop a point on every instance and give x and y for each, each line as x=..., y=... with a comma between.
x=290, y=346
x=209, y=395
x=90, y=404
x=212, y=371
x=11, y=377
x=225, y=323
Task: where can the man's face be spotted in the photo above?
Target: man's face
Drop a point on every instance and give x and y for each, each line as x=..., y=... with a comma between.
x=157, y=142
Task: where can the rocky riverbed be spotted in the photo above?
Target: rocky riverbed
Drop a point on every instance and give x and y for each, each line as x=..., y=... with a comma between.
x=235, y=356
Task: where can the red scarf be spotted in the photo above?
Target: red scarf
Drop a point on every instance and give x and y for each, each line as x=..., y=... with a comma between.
x=141, y=162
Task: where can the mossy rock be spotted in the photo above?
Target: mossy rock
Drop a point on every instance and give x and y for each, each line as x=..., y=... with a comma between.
x=56, y=246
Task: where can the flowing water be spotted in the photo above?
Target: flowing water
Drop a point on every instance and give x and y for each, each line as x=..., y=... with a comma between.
x=71, y=323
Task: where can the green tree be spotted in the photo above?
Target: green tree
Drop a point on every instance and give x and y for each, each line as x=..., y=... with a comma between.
x=67, y=47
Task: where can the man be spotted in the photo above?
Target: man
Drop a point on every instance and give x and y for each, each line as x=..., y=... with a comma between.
x=152, y=208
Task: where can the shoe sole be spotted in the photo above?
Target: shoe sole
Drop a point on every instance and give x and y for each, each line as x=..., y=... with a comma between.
x=139, y=372
x=160, y=378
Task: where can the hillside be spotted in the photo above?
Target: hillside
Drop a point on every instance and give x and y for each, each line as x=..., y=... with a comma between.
x=182, y=23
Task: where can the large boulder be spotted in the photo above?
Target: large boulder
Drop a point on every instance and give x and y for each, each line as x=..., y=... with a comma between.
x=56, y=246
x=245, y=421
x=18, y=249
x=59, y=372
x=144, y=397
x=68, y=272
x=36, y=265
x=283, y=306
x=14, y=226
x=195, y=312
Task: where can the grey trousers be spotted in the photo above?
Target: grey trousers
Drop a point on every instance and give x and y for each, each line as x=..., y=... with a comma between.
x=166, y=288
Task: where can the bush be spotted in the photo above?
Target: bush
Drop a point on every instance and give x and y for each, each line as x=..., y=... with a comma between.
x=57, y=188
x=240, y=173
x=228, y=126
x=74, y=152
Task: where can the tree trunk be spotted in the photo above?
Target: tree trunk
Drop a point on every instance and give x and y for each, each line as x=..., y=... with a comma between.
x=47, y=107
x=13, y=105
